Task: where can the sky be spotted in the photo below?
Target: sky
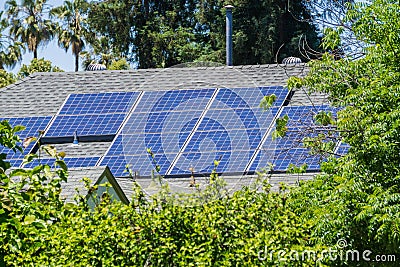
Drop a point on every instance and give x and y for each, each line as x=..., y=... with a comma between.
x=52, y=52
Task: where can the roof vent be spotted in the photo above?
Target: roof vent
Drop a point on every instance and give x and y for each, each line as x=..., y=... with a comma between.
x=95, y=67
x=75, y=142
x=291, y=60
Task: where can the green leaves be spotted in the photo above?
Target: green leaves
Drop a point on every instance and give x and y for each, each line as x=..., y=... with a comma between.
x=331, y=38
x=268, y=101
x=37, y=65
x=324, y=118
x=280, y=127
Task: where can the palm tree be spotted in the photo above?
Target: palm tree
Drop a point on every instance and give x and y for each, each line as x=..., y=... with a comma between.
x=10, y=51
x=28, y=23
x=73, y=30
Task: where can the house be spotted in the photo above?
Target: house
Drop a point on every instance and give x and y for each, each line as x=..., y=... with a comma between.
x=176, y=122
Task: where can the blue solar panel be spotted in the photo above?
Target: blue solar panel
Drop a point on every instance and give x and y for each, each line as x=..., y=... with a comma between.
x=157, y=122
x=101, y=103
x=92, y=114
x=203, y=162
x=15, y=162
x=32, y=127
x=141, y=163
x=85, y=125
x=280, y=92
x=224, y=141
x=290, y=149
x=248, y=97
x=117, y=165
x=300, y=116
x=172, y=99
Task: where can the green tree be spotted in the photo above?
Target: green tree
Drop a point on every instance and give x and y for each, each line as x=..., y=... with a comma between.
x=73, y=27
x=10, y=51
x=357, y=197
x=6, y=78
x=37, y=65
x=28, y=23
x=165, y=33
x=120, y=64
x=113, y=21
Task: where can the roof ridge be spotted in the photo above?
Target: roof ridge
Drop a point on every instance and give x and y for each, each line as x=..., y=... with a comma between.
x=18, y=82
x=272, y=65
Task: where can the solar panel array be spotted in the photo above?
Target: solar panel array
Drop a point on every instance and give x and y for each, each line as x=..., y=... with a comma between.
x=184, y=130
x=189, y=129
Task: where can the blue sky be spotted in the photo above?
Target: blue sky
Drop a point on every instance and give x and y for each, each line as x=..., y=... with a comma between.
x=58, y=56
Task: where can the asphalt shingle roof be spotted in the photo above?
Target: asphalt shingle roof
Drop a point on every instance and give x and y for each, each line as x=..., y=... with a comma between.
x=42, y=94
x=90, y=149
x=75, y=184
x=234, y=183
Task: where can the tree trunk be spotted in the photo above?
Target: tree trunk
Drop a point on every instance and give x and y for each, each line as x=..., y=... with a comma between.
x=77, y=62
x=35, y=51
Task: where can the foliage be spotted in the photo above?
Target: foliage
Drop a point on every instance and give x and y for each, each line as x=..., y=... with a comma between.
x=73, y=28
x=37, y=65
x=209, y=228
x=357, y=195
x=29, y=202
x=6, y=78
x=28, y=23
x=166, y=33
x=10, y=50
x=120, y=64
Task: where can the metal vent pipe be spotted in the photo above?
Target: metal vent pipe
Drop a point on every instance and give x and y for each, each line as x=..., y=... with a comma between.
x=229, y=44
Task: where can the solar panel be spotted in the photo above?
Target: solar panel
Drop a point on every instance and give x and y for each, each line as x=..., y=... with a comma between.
x=234, y=122
x=32, y=127
x=203, y=162
x=174, y=100
x=66, y=125
x=101, y=103
x=237, y=98
x=157, y=122
x=304, y=115
x=139, y=163
x=290, y=149
x=15, y=162
x=92, y=114
x=117, y=164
